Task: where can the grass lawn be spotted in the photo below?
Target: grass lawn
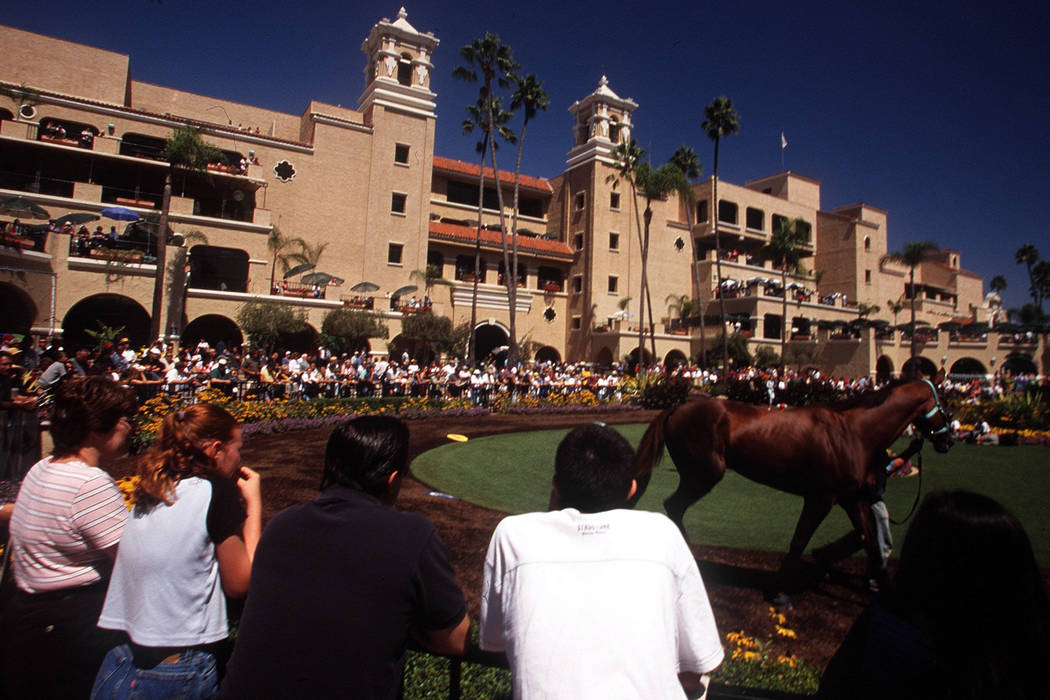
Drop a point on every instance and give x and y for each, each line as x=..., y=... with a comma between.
x=512, y=473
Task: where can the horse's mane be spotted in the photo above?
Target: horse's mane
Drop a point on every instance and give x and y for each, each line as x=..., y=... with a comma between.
x=866, y=399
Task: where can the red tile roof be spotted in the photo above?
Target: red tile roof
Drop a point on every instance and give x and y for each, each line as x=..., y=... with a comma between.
x=458, y=166
x=494, y=239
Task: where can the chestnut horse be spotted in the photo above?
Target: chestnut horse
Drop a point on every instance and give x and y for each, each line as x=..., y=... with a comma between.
x=827, y=454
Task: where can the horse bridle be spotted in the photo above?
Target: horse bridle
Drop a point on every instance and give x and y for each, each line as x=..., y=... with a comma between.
x=937, y=408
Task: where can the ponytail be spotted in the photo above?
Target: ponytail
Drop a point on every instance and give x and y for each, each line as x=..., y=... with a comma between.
x=179, y=451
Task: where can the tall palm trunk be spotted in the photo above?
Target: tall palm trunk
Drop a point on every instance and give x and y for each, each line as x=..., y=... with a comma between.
x=645, y=279
x=156, y=324
x=641, y=294
x=718, y=267
x=512, y=291
x=690, y=215
x=911, y=280
x=512, y=296
x=784, y=309
x=471, y=341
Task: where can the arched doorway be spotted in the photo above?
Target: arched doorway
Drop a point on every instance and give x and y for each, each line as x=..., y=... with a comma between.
x=303, y=341
x=17, y=310
x=883, y=369
x=675, y=358
x=1018, y=363
x=490, y=342
x=214, y=329
x=111, y=310
x=632, y=359
x=604, y=357
x=547, y=354
x=924, y=365
x=967, y=366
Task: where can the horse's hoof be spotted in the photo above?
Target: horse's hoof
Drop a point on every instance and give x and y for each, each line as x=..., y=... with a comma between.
x=781, y=601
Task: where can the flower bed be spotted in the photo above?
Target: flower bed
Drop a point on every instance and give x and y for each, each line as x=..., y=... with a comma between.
x=263, y=417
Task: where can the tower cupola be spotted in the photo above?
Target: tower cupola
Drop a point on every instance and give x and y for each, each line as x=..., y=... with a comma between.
x=600, y=121
x=399, y=68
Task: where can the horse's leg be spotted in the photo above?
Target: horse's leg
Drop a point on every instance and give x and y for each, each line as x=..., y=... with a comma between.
x=859, y=512
x=699, y=458
x=814, y=510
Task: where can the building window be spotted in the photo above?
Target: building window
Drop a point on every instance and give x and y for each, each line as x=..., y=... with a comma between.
x=679, y=244
x=397, y=203
x=867, y=243
x=404, y=69
x=614, y=200
x=576, y=323
x=577, y=241
x=577, y=284
x=778, y=221
x=393, y=253
x=728, y=212
x=401, y=154
x=867, y=277
x=701, y=211
x=580, y=201
x=614, y=241
x=804, y=230
x=755, y=219
x=614, y=284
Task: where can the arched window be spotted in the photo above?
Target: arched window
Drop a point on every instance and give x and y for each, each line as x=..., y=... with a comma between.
x=867, y=243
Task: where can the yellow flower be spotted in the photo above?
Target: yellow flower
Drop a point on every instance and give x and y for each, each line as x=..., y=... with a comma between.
x=785, y=632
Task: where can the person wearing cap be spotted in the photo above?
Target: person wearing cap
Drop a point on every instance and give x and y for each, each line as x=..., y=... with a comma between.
x=623, y=581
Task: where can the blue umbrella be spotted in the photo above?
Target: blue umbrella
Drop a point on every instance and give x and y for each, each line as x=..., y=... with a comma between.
x=119, y=214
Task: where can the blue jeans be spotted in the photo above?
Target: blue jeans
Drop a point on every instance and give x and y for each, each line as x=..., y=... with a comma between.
x=193, y=676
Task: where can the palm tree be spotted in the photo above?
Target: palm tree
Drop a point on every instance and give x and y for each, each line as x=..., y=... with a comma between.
x=530, y=96
x=895, y=306
x=784, y=248
x=278, y=244
x=911, y=255
x=997, y=284
x=307, y=254
x=477, y=118
x=627, y=157
x=1041, y=282
x=185, y=151
x=689, y=163
x=1028, y=255
x=683, y=307
x=496, y=62
x=654, y=184
x=722, y=120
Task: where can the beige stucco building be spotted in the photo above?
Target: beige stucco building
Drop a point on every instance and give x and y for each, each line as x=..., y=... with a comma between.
x=366, y=191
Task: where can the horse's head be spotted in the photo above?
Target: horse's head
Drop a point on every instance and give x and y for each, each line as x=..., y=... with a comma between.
x=934, y=421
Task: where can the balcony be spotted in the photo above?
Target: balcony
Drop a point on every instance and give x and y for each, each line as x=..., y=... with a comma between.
x=95, y=173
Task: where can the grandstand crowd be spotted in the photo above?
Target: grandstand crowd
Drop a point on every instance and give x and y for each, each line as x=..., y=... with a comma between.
x=253, y=374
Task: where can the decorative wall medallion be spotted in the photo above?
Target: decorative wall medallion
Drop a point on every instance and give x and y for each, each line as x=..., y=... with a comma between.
x=284, y=171
x=550, y=314
x=679, y=244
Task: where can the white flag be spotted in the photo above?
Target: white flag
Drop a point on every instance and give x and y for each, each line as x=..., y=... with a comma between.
x=783, y=141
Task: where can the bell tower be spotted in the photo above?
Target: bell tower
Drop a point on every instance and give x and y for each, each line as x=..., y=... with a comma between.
x=398, y=71
x=600, y=121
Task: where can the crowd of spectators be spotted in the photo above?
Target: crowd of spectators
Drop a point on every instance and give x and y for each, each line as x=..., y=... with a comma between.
x=250, y=373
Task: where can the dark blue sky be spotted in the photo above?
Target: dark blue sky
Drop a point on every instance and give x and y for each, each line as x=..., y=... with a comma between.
x=936, y=112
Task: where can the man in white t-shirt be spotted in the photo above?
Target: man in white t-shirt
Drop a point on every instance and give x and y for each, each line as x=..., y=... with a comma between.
x=591, y=600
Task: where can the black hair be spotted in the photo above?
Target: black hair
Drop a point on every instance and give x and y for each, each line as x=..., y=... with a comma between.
x=593, y=469
x=968, y=572
x=86, y=405
x=363, y=452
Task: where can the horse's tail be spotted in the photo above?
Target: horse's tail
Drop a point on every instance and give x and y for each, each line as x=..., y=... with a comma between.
x=650, y=451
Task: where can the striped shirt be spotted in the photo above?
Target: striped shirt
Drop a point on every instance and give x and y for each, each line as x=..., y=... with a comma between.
x=66, y=515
